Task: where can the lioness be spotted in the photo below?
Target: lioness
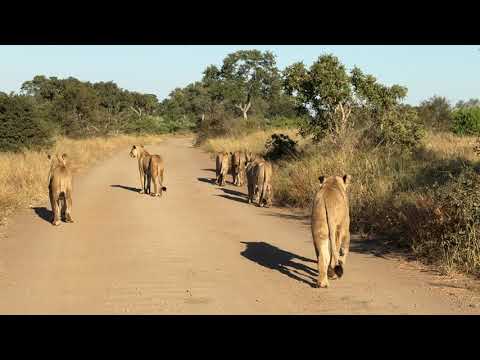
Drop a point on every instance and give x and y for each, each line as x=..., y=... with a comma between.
x=265, y=193
x=151, y=167
x=249, y=157
x=60, y=189
x=222, y=166
x=259, y=175
x=331, y=227
x=239, y=160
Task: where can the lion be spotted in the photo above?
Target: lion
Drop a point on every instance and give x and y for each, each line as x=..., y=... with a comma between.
x=222, y=167
x=239, y=160
x=331, y=227
x=259, y=176
x=151, y=167
x=249, y=157
x=60, y=189
x=265, y=192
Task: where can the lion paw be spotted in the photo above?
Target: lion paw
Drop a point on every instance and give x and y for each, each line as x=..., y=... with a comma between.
x=323, y=284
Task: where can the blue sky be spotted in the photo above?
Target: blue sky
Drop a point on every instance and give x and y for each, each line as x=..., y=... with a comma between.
x=450, y=71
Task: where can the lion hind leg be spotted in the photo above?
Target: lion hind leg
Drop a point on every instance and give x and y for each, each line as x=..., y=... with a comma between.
x=323, y=260
x=56, y=211
x=68, y=208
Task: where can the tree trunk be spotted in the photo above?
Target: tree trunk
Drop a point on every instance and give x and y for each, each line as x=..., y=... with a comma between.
x=244, y=109
x=342, y=124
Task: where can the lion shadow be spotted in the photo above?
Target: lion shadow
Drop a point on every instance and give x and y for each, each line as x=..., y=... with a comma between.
x=208, y=181
x=233, y=192
x=234, y=198
x=272, y=257
x=43, y=213
x=126, y=188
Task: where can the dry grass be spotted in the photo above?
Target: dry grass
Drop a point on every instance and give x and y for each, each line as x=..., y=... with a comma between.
x=254, y=142
x=382, y=183
x=399, y=196
x=23, y=176
x=448, y=145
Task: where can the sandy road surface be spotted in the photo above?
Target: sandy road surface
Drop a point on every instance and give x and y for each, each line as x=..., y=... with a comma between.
x=198, y=250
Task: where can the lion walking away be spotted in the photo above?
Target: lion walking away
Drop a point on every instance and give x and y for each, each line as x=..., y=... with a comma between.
x=151, y=168
x=259, y=182
x=331, y=227
x=60, y=189
x=239, y=160
x=221, y=168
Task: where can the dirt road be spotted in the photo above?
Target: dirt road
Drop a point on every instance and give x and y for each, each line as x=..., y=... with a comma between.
x=198, y=250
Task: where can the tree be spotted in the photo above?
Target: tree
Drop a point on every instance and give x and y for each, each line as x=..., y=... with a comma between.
x=328, y=94
x=391, y=122
x=21, y=124
x=324, y=90
x=468, y=104
x=244, y=76
x=436, y=112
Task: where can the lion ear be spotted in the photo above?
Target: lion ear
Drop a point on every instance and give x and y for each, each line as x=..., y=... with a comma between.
x=49, y=157
x=347, y=179
x=134, y=147
x=141, y=146
x=64, y=156
x=321, y=179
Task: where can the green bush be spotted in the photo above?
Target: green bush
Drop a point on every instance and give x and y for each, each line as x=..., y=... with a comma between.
x=466, y=121
x=22, y=125
x=399, y=129
x=280, y=147
x=435, y=113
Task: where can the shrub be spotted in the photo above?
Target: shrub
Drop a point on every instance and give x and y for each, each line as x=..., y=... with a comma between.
x=444, y=224
x=280, y=146
x=466, y=121
x=399, y=129
x=435, y=113
x=22, y=125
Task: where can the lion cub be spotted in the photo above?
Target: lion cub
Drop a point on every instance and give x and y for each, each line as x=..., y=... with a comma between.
x=60, y=189
x=331, y=227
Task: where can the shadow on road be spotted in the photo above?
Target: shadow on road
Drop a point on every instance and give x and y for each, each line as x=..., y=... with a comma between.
x=274, y=258
x=205, y=180
x=234, y=198
x=43, y=213
x=378, y=247
x=212, y=170
x=304, y=218
x=233, y=192
x=126, y=188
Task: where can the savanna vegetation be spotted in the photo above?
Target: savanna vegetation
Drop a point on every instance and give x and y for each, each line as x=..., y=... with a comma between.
x=87, y=121
x=414, y=168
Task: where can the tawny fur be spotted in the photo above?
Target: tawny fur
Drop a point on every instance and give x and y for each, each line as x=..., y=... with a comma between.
x=331, y=227
x=151, y=168
x=60, y=189
x=222, y=167
x=239, y=160
x=259, y=182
